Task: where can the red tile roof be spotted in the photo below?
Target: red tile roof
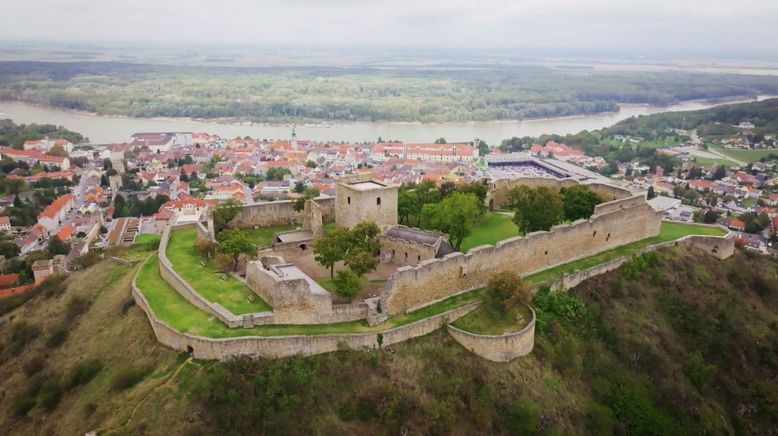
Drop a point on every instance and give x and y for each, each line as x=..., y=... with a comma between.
x=57, y=205
x=7, y=280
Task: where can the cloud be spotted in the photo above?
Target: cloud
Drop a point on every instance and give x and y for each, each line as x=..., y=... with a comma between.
x=593, y=24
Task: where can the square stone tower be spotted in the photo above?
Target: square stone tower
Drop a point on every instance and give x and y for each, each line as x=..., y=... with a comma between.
x=360, y=199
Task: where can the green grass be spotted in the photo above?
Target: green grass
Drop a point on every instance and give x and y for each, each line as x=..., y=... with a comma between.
x=749, y=202
x=486, y=320
x=748, y=156
x=669, y=232
x=170, y=307
x=147, y=238
x=706, y=161
x=263, y=236
x=491, y=228
x=229, y=292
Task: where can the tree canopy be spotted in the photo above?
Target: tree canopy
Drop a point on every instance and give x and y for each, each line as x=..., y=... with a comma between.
x=536, y=208
x=236, y=242
x=455, y=215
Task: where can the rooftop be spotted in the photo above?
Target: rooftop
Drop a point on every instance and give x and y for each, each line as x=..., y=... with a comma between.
x=366, y=186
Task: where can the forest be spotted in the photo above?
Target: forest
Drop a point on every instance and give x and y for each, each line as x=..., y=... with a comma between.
x=328, y=94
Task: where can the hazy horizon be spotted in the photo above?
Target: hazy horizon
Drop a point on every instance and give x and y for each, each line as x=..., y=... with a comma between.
x=562, y=27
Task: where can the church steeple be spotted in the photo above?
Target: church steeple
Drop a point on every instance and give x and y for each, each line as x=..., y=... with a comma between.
x=294, y=138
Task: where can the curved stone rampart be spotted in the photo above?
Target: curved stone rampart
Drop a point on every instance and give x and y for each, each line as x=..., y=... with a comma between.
x=498, y=348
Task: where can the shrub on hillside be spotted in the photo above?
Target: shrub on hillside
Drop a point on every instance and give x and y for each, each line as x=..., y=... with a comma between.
x=127, y=378
x=53, y=286
x=565, y=307
x=34, y=365
x=696, y=369
x=76, y=307
x=87, y=260
x=57, y=337
x=50, y=394
x=504, y=290
x=23, y=404
x=83, y=373
x=21, y=334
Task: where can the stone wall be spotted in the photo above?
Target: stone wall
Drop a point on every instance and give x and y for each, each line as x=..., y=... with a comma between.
x=285, y=346
x=719, y=247
x=405, y=253
x=498, y=348
x=169, y=274
x=279, y=213
x=290, y=297
x=433, y=280
x=313, y=218
x=497, y=191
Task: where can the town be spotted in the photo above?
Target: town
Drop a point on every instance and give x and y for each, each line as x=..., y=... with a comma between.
x=113, y=194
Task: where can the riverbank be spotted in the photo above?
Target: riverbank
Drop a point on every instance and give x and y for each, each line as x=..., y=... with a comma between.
x=112, y=128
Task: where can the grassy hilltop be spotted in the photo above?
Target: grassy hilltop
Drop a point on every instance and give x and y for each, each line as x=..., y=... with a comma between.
x=672, y=343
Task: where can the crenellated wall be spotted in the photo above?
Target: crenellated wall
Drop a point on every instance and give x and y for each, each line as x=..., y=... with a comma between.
x=276, y=213
x=413, y=287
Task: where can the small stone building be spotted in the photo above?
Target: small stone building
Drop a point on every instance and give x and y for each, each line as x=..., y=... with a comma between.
x=407, y=246
x=359, y=199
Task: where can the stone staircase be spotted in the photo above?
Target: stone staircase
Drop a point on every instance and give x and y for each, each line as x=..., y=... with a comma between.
x=247, y=321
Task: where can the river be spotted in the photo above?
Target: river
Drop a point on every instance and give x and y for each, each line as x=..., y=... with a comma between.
x=109, y=129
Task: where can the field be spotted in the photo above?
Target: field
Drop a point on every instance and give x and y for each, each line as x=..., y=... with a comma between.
x=148, y=238
x=218, y=288
x=747, y=156
x=491, y=228
x=706, y=161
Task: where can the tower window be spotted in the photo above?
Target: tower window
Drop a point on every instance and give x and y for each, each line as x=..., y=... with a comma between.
x=348, y=200
x=378, y=201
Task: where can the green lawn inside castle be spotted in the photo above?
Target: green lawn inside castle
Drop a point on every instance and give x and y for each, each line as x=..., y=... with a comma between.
x=415, y=280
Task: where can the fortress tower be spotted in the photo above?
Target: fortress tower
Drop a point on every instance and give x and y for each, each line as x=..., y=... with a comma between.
x=360, y=199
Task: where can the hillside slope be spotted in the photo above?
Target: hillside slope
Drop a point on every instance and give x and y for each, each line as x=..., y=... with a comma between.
x=672, y=343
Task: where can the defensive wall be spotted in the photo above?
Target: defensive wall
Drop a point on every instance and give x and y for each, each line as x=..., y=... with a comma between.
x=276, y=213
x=498, y=348
x=285, y=346
x=170, y=275
x=720, y=247
x=613, y=224
x=497, y=190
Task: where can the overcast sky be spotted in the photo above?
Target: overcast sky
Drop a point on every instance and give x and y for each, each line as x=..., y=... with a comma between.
x=649, y=25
